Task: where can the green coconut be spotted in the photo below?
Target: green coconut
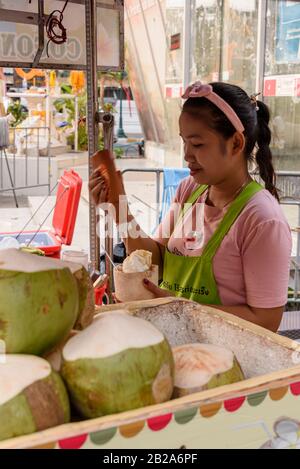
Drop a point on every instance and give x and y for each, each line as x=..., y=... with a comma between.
x=86, y=307
x=32, y=396
x=86, y=295
x=39, y=302
x=55, y=356
x=118, y=363
x=203, y=366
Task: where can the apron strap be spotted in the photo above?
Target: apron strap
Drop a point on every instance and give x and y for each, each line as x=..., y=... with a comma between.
x=192, y=199
x=229, y=218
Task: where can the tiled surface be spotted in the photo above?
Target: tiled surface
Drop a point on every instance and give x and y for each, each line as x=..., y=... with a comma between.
x=290, y=321
x=290, y=325
x=293, y=334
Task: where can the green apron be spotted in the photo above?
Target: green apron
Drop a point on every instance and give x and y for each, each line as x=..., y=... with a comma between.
x=192, y=276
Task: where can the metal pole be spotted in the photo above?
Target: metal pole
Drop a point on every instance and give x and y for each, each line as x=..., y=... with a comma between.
x=26, y=156
x=107, y=121
x=261, y=46
x=76, y=124
x=221, y=61
x=1, y=169
x=11, y=180
x=48, y=111
x=38, y=157
x=41, y=21
x=187, y=30
x=157, y=197
x=187, y=44
x=157, y=172
x=49, y=164
x=92, y=108
x=121, y=133
x=297, y=268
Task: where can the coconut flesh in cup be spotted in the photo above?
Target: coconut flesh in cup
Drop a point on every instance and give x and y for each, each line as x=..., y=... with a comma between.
x=128, y=277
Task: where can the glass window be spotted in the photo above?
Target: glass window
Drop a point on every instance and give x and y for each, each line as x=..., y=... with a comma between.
x=282, y=81
x=174, y=40
x=174, y=21
x=224, y=39
x=205, y=39
x=239, y=43
x=146, y=65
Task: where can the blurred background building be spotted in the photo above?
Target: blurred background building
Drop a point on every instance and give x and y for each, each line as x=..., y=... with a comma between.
x=252, y=43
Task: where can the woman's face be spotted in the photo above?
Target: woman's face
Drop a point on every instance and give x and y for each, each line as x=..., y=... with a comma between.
x=207, y=153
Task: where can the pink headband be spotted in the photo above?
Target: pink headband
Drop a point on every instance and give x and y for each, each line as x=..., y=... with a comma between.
x=199, y=90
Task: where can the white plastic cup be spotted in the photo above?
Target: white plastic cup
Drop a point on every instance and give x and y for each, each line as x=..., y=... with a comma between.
x=79, y=257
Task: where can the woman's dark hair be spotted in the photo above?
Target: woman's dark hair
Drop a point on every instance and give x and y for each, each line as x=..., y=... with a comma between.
x=255, y=121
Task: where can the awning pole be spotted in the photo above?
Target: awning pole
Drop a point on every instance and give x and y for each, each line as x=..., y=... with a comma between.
x=92, y=117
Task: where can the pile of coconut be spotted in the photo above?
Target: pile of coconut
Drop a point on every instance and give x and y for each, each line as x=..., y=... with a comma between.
x=118, y=362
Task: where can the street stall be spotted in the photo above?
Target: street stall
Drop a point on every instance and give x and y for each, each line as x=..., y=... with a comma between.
x=155, y=373
x=257, y=412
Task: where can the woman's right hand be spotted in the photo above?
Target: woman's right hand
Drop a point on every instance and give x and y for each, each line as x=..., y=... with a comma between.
x=99, y=187
x=105, y=187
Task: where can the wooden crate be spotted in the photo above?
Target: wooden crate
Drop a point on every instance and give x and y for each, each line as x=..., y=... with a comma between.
x=261, y=411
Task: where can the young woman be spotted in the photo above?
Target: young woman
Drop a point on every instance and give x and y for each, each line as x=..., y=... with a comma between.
x=230, y=244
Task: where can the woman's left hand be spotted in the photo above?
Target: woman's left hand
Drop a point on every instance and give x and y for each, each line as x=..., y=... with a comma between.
x=158, y=292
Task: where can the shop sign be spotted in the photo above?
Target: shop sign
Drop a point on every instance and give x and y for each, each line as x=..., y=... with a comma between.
x=282, y=85
x=175, y=42
x=19, y=41
x=174, y=90
x=285, y=87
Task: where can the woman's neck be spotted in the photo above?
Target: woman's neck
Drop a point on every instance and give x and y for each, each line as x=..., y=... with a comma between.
x=220, y=195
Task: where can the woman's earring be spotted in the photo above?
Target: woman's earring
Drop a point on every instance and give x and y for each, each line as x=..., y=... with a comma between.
x=253, y=98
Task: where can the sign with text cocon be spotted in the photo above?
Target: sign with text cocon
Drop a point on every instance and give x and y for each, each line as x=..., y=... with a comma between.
x=19, y=35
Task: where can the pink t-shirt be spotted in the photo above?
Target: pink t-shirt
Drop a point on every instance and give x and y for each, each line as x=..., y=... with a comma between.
x=252, y=264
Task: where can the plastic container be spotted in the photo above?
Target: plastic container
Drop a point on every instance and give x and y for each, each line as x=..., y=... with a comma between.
x=64, y=219
x=99, y=294
x=79, y=257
